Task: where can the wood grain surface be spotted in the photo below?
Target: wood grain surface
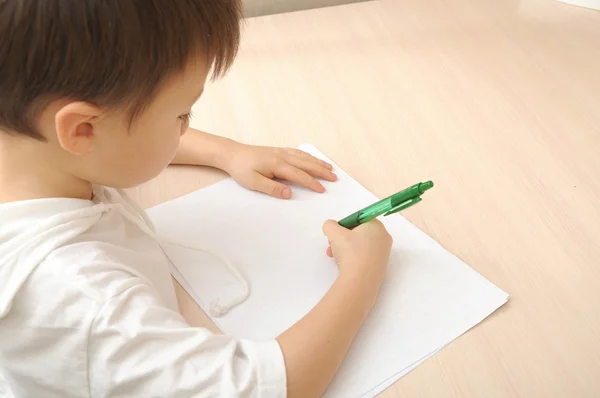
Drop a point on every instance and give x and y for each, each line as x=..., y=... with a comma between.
x=498, y=102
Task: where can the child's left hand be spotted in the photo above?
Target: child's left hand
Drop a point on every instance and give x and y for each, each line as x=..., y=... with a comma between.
x=255, y=167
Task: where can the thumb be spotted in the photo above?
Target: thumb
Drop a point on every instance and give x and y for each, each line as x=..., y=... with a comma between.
x=271, y=187
x=333, y=230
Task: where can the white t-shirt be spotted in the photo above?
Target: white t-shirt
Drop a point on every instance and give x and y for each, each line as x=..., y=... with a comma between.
x=87, y=309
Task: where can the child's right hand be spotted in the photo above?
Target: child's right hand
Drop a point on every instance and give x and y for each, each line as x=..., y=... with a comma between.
x=362, y=253
x=313, y=348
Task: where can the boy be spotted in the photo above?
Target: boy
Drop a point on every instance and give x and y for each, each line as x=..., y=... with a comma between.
x=96, y=94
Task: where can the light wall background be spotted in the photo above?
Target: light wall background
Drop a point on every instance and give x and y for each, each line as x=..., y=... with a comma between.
x=254, y=8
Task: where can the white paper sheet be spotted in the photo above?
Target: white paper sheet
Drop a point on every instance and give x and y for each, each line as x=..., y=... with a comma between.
x=593, y=4
x=429, y=298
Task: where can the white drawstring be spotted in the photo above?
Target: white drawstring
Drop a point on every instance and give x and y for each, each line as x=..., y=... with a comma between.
x=216, y=309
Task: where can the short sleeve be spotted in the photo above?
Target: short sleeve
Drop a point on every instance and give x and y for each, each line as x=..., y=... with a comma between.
x=139, y=348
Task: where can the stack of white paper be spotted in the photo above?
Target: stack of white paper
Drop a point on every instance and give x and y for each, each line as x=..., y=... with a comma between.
x=593, y=4
x=429, y=298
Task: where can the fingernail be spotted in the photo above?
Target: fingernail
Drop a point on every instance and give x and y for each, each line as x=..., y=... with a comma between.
x=287, y=193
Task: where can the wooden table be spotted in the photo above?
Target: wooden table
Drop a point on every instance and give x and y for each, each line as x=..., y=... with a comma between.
x=498, y=102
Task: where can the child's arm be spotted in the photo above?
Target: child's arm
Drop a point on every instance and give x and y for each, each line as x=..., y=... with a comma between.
x=198, y=148
x=254, y=167
x=314, y=348
x=138, y=347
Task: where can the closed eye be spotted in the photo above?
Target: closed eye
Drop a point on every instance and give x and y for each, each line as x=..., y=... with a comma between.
x=186, y=117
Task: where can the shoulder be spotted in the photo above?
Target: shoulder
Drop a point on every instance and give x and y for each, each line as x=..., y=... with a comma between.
x=100, y=269
x=112, y=255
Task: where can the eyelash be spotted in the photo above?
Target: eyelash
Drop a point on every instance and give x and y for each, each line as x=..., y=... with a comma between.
x=186, y=117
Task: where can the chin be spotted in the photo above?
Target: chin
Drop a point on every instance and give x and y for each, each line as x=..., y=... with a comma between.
x=132, y=182
x=132, y=177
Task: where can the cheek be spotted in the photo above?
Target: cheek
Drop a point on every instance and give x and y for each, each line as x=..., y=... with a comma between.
x=170, y=144
x=162, y=146
x=184, y=127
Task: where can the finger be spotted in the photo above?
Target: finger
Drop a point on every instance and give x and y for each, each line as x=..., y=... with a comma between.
x=298, y=176
x=329, y=252
x=304, y=155
x=270, y=187
x=374, y=223
x=332, y=230
x=312, y=167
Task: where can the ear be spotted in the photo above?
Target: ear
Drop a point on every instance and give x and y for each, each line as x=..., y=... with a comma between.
x=74, y=124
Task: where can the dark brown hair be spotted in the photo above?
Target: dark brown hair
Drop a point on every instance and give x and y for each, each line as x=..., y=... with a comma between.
x=107, y=52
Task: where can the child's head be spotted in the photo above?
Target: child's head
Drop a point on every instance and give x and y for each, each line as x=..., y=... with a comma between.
x=102, y=89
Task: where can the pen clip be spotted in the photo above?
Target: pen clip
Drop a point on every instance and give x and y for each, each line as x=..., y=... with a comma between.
x=404, y=205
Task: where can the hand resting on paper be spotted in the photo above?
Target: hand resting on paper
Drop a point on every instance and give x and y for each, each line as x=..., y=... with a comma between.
x=316, y=345
x=255, y=167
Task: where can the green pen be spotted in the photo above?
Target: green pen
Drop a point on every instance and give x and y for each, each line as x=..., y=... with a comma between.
x=390, y=205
